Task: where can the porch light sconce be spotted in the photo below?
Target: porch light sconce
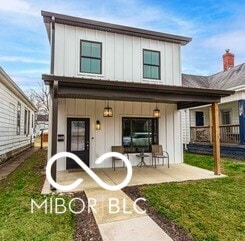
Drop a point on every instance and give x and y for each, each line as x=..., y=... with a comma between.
x=156, y=113
x=108, y=111
x=98, y=125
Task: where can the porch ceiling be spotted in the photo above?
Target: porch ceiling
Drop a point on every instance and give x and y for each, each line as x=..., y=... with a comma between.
x=84, y=88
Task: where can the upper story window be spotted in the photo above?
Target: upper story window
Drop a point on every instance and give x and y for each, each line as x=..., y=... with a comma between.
x=91, y=57
x=151, y=62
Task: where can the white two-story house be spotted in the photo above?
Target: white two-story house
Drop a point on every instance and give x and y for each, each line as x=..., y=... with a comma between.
x=114, y=85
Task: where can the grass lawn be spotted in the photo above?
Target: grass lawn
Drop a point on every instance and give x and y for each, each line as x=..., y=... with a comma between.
x=208, y=209
x=16, y=220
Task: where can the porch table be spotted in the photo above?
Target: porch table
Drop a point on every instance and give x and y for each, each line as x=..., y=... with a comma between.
x=142, y=161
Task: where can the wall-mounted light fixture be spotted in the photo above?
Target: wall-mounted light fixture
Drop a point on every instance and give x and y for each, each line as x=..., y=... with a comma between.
x=98, y=125
x=156, y=112
x=108, y=111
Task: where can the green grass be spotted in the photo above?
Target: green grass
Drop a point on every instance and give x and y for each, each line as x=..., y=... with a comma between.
x=16, y=220
x=208, y=209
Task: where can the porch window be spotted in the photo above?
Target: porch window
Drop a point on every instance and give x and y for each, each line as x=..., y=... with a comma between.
x=151, y=62
x=91, y=57
x=18, y=118
x=199, y=118
x=226, y=117
x=139, y=133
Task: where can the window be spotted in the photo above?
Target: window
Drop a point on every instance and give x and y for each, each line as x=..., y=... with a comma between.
x=199, y=118
x=91, y=57
x=18, y=118
x=151, y=62
x=139, y=133
x=32, y=121
x=28, y=123
x=25, y=122
x=226, y=118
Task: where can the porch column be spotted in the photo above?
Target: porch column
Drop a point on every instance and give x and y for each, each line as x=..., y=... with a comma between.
x=54, y=128
x=215, y=137
x=210, y=125
x=241, y=110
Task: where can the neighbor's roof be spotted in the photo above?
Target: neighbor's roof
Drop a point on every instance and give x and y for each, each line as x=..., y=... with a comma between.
x=42, y=117
x=14, y=88
x=224, y=80
x=109, y=27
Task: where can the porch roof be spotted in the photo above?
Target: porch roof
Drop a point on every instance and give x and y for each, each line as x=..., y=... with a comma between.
x=85, y=88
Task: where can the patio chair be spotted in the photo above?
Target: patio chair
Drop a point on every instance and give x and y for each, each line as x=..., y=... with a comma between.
x=121, y=150
x=158, y=153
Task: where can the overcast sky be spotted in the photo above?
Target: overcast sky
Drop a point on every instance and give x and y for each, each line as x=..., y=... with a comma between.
x=214, y=25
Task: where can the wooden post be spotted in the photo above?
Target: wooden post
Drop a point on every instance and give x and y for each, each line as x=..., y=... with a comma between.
x=210, y=125
x=216, y=140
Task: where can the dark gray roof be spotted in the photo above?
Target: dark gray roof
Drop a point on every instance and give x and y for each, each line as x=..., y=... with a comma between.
x=42, y=117
x=223, y=80
x=114, y=28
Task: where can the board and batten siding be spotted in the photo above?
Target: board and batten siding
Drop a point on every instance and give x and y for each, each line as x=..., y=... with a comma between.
x=111, y=128
x=9, y=140
x=122, y=56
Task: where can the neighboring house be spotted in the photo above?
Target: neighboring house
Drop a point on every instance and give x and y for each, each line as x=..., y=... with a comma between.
x=41, y=123
x=109, y=83
x=16, y=118
x=196, y=121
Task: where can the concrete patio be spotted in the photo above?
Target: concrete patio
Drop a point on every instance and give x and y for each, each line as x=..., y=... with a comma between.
x=141, y=175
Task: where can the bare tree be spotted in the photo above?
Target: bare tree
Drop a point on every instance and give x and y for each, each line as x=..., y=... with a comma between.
x=40, y=97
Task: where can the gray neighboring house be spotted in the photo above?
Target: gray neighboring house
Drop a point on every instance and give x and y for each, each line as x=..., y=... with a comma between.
x=196, y=121
x=16, y=118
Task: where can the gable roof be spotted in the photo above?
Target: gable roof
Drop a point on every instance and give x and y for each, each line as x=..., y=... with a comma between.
x=14, y=88
x=109, y=27
x=224, y=80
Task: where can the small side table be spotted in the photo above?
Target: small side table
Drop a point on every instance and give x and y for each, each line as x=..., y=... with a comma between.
x=142, y=161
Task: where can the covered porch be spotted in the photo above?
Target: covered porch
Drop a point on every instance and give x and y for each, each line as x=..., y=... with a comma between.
x=177, y=97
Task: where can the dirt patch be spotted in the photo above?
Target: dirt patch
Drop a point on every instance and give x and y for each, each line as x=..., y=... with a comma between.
x=86, y=226
x=173, y=230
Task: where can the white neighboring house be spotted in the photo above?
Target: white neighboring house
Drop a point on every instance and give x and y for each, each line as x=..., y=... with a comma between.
x=196, y=120
x=109, y=83
x=16, y=118
x=41, y=123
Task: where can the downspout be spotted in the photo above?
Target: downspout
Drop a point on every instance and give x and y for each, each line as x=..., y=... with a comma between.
x=52, y=44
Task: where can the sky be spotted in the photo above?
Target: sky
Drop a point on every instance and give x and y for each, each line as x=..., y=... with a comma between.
x=213, y=25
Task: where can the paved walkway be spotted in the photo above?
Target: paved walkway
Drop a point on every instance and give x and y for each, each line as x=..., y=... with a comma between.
x=9, y=166
x=121, y=220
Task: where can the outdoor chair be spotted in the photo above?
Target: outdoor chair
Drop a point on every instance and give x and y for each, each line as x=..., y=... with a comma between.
x=121, y=150
x=158, y=153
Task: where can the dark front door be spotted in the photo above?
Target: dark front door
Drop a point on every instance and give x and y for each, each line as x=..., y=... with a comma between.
x=77, y=141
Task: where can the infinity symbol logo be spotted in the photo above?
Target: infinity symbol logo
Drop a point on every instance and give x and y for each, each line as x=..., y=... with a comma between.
x=89, y=171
